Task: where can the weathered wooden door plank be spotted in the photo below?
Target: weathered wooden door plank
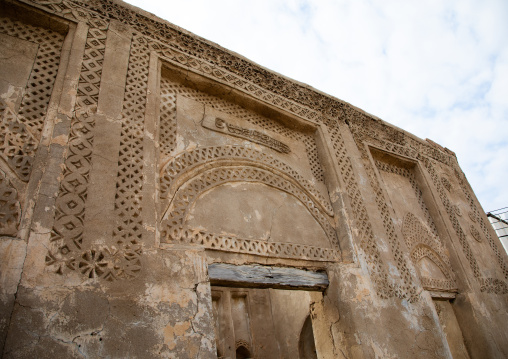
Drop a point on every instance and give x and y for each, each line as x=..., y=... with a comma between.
x=257, y=276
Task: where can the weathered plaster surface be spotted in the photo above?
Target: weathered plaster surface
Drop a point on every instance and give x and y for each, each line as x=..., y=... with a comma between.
x=133, y=154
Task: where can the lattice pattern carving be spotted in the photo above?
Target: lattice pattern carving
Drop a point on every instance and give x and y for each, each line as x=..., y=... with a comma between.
x=381, y=202
x=409, y=175
x=167, y=122
x=446, y=184
x=182, y=49
x=489, y=285
x=257, y=247
x=370, y=130
x=42, y=77
x=176, y=214
x=21, y=132
x=128, y=232
x=485, y=226
x=187, y=160
x=10, y=209
x=67, y=233
x=385, y=287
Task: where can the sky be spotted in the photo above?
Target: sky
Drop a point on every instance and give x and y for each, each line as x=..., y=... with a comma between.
x=437, y=69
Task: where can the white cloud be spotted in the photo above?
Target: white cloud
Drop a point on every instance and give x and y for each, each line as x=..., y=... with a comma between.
x=438, y=69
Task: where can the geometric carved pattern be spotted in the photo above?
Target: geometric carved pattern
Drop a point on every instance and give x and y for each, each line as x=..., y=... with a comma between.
x=485, y=226
x=184, y=50
x=68, y=252
x=378, y=271
x=167, y=123
x=174, y=217
x=40, y=84
x=409, y=175
x=10, y=209
x=17, y=144
x=128, y=231
x=21, y=133
x=422, y=243
x=489, y=285
x=252, y=246
x=187, y=160
x=474, y=232
x=355, y=121
x=168, y=115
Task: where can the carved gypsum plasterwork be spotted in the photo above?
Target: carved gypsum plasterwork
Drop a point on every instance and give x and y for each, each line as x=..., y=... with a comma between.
x=66, y=242
x=385, y=286
x=162, y=35
x=238, y=112
x=499, y=287
x=24, y=128
x=252, y=246
x=433, y=237
x=484, y=225
x=34, y=104
x=330, y=107
x=207, y=156
x=427, y=162
x=17, y=144
x=255, y=136
x=409, y=175
x=10, y=208
x=415, y=233
x=333, y=108
x=420, y=246
x=128, y=197
x=386, y=213
x=205, y=179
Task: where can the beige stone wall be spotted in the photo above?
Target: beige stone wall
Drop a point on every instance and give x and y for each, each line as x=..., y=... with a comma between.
x=134, y=154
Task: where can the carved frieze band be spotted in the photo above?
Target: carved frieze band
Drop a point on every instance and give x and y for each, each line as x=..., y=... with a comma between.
x=251, y=246
x=222, y=126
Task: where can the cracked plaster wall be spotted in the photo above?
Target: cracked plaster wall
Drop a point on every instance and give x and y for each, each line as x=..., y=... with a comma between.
x=115, y=286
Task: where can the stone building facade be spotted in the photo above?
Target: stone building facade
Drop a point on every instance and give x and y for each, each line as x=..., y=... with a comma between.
x=162, y=197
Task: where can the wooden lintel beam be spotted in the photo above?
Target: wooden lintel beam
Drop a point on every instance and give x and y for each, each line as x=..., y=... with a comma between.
x=257, y=276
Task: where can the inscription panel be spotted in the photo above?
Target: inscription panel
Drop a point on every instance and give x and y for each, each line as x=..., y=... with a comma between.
x=220, y=125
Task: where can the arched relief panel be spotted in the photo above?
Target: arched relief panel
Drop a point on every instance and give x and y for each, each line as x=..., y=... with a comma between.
x=403, y=185
x=218, y=155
